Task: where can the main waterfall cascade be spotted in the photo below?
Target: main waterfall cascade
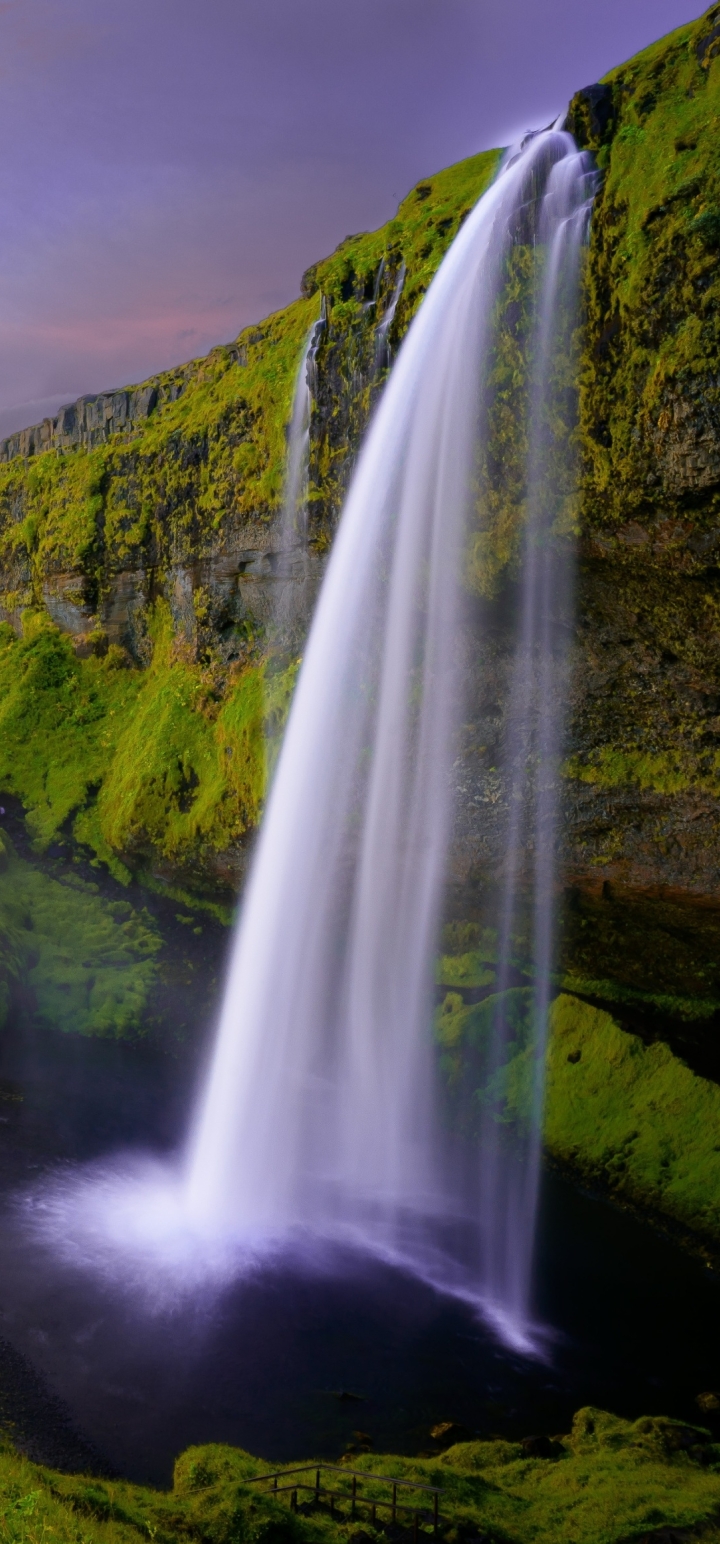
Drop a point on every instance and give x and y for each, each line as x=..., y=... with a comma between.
x=320, y=1107
x=322, y=1110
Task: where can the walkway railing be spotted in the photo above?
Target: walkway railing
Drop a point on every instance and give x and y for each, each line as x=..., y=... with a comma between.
x=324, y=1495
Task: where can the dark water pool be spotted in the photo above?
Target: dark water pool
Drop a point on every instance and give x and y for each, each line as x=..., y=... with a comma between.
x=295, y=1362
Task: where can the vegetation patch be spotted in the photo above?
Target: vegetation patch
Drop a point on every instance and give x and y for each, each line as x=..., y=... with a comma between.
x=627, y=1115
x=633, y=1117
x=608, y=1480
x=79, y=963
x=650, y=389
x=135, y=760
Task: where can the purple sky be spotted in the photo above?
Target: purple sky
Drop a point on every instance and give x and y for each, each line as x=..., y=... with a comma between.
x=169, y=167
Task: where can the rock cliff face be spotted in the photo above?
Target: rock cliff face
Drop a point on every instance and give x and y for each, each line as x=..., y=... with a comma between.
x=89, y=421
x=141, y=565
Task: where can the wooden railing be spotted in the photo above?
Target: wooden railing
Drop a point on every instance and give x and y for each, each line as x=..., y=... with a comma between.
x=323, y=1495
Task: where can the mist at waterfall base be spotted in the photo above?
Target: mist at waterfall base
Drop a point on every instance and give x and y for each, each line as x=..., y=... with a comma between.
x=322, y=1122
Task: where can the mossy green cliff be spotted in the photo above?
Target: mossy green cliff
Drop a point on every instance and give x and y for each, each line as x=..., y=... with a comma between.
x=622, y=1113
x=139, y=571
x=645, y=753
x=146, y=674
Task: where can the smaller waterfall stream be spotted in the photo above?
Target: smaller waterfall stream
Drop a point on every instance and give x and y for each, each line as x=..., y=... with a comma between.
x=290, y=562
x=293, y=518
x=292, y=523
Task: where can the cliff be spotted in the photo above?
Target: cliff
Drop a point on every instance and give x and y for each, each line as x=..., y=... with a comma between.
x=140, y=565
x=146, y=676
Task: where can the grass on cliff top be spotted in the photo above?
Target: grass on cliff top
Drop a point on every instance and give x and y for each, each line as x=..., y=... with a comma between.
x=84, y=965
x=134, y=759
x=426, y=223
x=613, y=1480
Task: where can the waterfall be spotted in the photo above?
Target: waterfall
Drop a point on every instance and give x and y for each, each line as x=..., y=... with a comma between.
x=290, y=564
x=323, y=1111
x=319, y=1108
x=292, y=520
x=382, y=347
x=539, y=687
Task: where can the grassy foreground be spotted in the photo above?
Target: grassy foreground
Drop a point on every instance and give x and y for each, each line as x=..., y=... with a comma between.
x=608, y=1481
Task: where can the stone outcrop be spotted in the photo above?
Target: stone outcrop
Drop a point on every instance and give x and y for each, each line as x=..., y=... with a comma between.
x=89, y=421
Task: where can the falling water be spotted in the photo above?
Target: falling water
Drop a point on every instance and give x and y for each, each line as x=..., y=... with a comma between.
x=322, y=1109
x=319, y=1108
x=539, y=684
x=292, y=520
x=290, y=561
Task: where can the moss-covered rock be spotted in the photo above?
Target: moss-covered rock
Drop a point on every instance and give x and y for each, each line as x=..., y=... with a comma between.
x=623, y=1113
x=633, y=1118
x=71, y=959
x=163, y=768
x=643, y=791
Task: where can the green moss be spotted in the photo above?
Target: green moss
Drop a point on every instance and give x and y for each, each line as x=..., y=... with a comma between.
x=475, y=1084
x=630, y=1116
x=633, y=1116
x=465, y=967
x=213, y=451
x=138, y=760
x=86, y=964
x=654, y=289
x=612, y=1479
x=668, y=771
x=468, y=970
